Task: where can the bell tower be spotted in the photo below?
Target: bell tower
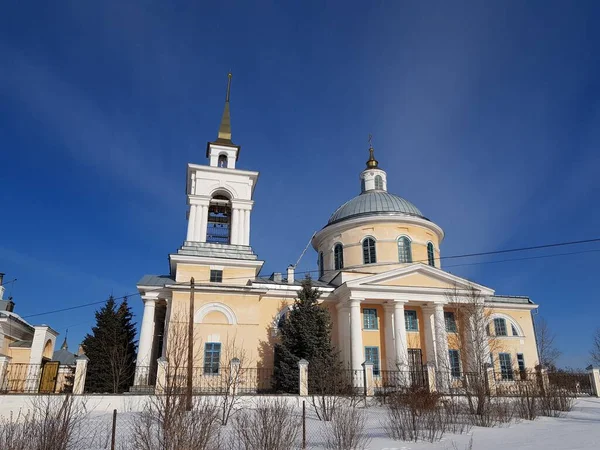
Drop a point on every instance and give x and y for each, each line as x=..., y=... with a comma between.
x=220, y=199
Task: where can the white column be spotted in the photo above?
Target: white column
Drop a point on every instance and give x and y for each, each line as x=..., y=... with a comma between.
x=203, y=218
x=429, y=330
x=247, y=227
x=356, y=341
x=166, y=329
x=191, y=223
x=400, y=336
x=81, y=363
x=235, y=225
x=145, y=343
x=241, y=225
x=199, y=224
x=388, y=332
x=344, y=342
x=441, y=338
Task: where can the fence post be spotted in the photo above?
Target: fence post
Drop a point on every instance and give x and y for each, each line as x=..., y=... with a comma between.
x=234, y=372
x=542, y=379
x=80, y=374
x=369, y=389
x=431, y=377
x=4, y=361
x=303, y=377
x=490, y=379
x=303, y=424
x=114, y=430
x=595, y=379
x=161, y=375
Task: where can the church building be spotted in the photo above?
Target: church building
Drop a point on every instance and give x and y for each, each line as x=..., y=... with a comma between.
x=380, y=274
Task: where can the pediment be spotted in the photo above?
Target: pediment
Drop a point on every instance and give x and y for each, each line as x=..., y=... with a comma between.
x=417, y=276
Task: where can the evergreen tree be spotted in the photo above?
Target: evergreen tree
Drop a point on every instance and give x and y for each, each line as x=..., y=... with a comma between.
x=305, y=334
x=111, y=349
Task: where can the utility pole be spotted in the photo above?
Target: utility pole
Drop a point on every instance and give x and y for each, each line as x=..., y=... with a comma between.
x=190, y=359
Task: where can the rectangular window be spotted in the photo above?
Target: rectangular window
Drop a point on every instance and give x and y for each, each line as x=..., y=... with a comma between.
x=410, y=319
x=521, y=363
x=370, y=319
x=372, y=355
x=450, y=321
x=500, y=327
x=212, y=357
x=506, y=370
x=216, y=276
x=454, y=363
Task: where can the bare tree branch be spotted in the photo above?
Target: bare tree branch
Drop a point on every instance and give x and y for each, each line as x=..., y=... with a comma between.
x=547, y=352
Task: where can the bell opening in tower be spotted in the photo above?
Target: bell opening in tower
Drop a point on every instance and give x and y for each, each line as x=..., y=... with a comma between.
x=219, y=220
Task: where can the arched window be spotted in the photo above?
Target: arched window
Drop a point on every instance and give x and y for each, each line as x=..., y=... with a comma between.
x=378, y=182
x=362, y=185
x=222, y=161
x=321, y=268
x=404, y=250
x=430, y=254
x=369, y=256
x=218, y=229
x=338, y=257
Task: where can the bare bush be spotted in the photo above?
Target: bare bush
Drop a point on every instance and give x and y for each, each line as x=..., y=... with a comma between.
x=555, y=402
x=233, y=379
x=456, y=416
x=330, y=388
x=346, y=430
x=52, y=423
x=498, y=411
x=271, y=425
x=415, y=415
x=527, y=404
x=166, y=425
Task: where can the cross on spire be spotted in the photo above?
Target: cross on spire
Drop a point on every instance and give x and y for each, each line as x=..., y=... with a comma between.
x=372, y=162
x=225, y=127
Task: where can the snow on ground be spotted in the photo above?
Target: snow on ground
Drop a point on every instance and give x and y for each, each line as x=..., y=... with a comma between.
x=580, y=429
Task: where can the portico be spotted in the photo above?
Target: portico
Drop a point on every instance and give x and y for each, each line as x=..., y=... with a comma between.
x=392, y=316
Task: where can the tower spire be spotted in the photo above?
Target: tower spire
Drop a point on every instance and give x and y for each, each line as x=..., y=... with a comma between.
x=372, y=163
x=225, y=127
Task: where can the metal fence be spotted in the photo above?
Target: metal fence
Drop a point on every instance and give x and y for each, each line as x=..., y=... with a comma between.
x=47, y=378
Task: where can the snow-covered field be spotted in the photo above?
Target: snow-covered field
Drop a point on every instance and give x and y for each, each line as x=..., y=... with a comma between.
x=579, y=429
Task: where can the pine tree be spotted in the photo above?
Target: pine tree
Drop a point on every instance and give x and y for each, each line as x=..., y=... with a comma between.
x=111, y=349
x=305, y=334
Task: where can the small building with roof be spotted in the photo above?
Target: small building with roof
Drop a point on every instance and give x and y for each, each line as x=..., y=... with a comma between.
x=27, y=351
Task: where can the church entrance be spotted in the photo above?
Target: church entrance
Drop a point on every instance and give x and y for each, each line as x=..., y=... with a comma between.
x=418, y=376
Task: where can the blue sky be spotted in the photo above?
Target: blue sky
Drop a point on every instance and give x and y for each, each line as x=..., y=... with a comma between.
x=485, y=115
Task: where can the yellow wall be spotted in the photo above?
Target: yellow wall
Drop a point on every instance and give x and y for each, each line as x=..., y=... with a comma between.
x=386, y=235
x=19, y=355
x=252, y=334
x=374, y=338
x=201, y=274
x=525, y=344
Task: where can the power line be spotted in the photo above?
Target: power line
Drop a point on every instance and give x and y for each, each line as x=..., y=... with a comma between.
x=466, y=255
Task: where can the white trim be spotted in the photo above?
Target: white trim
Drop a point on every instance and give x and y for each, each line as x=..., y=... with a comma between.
x=226, y=189
x=201, y=313
x=511, y=321
x=417, y=268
